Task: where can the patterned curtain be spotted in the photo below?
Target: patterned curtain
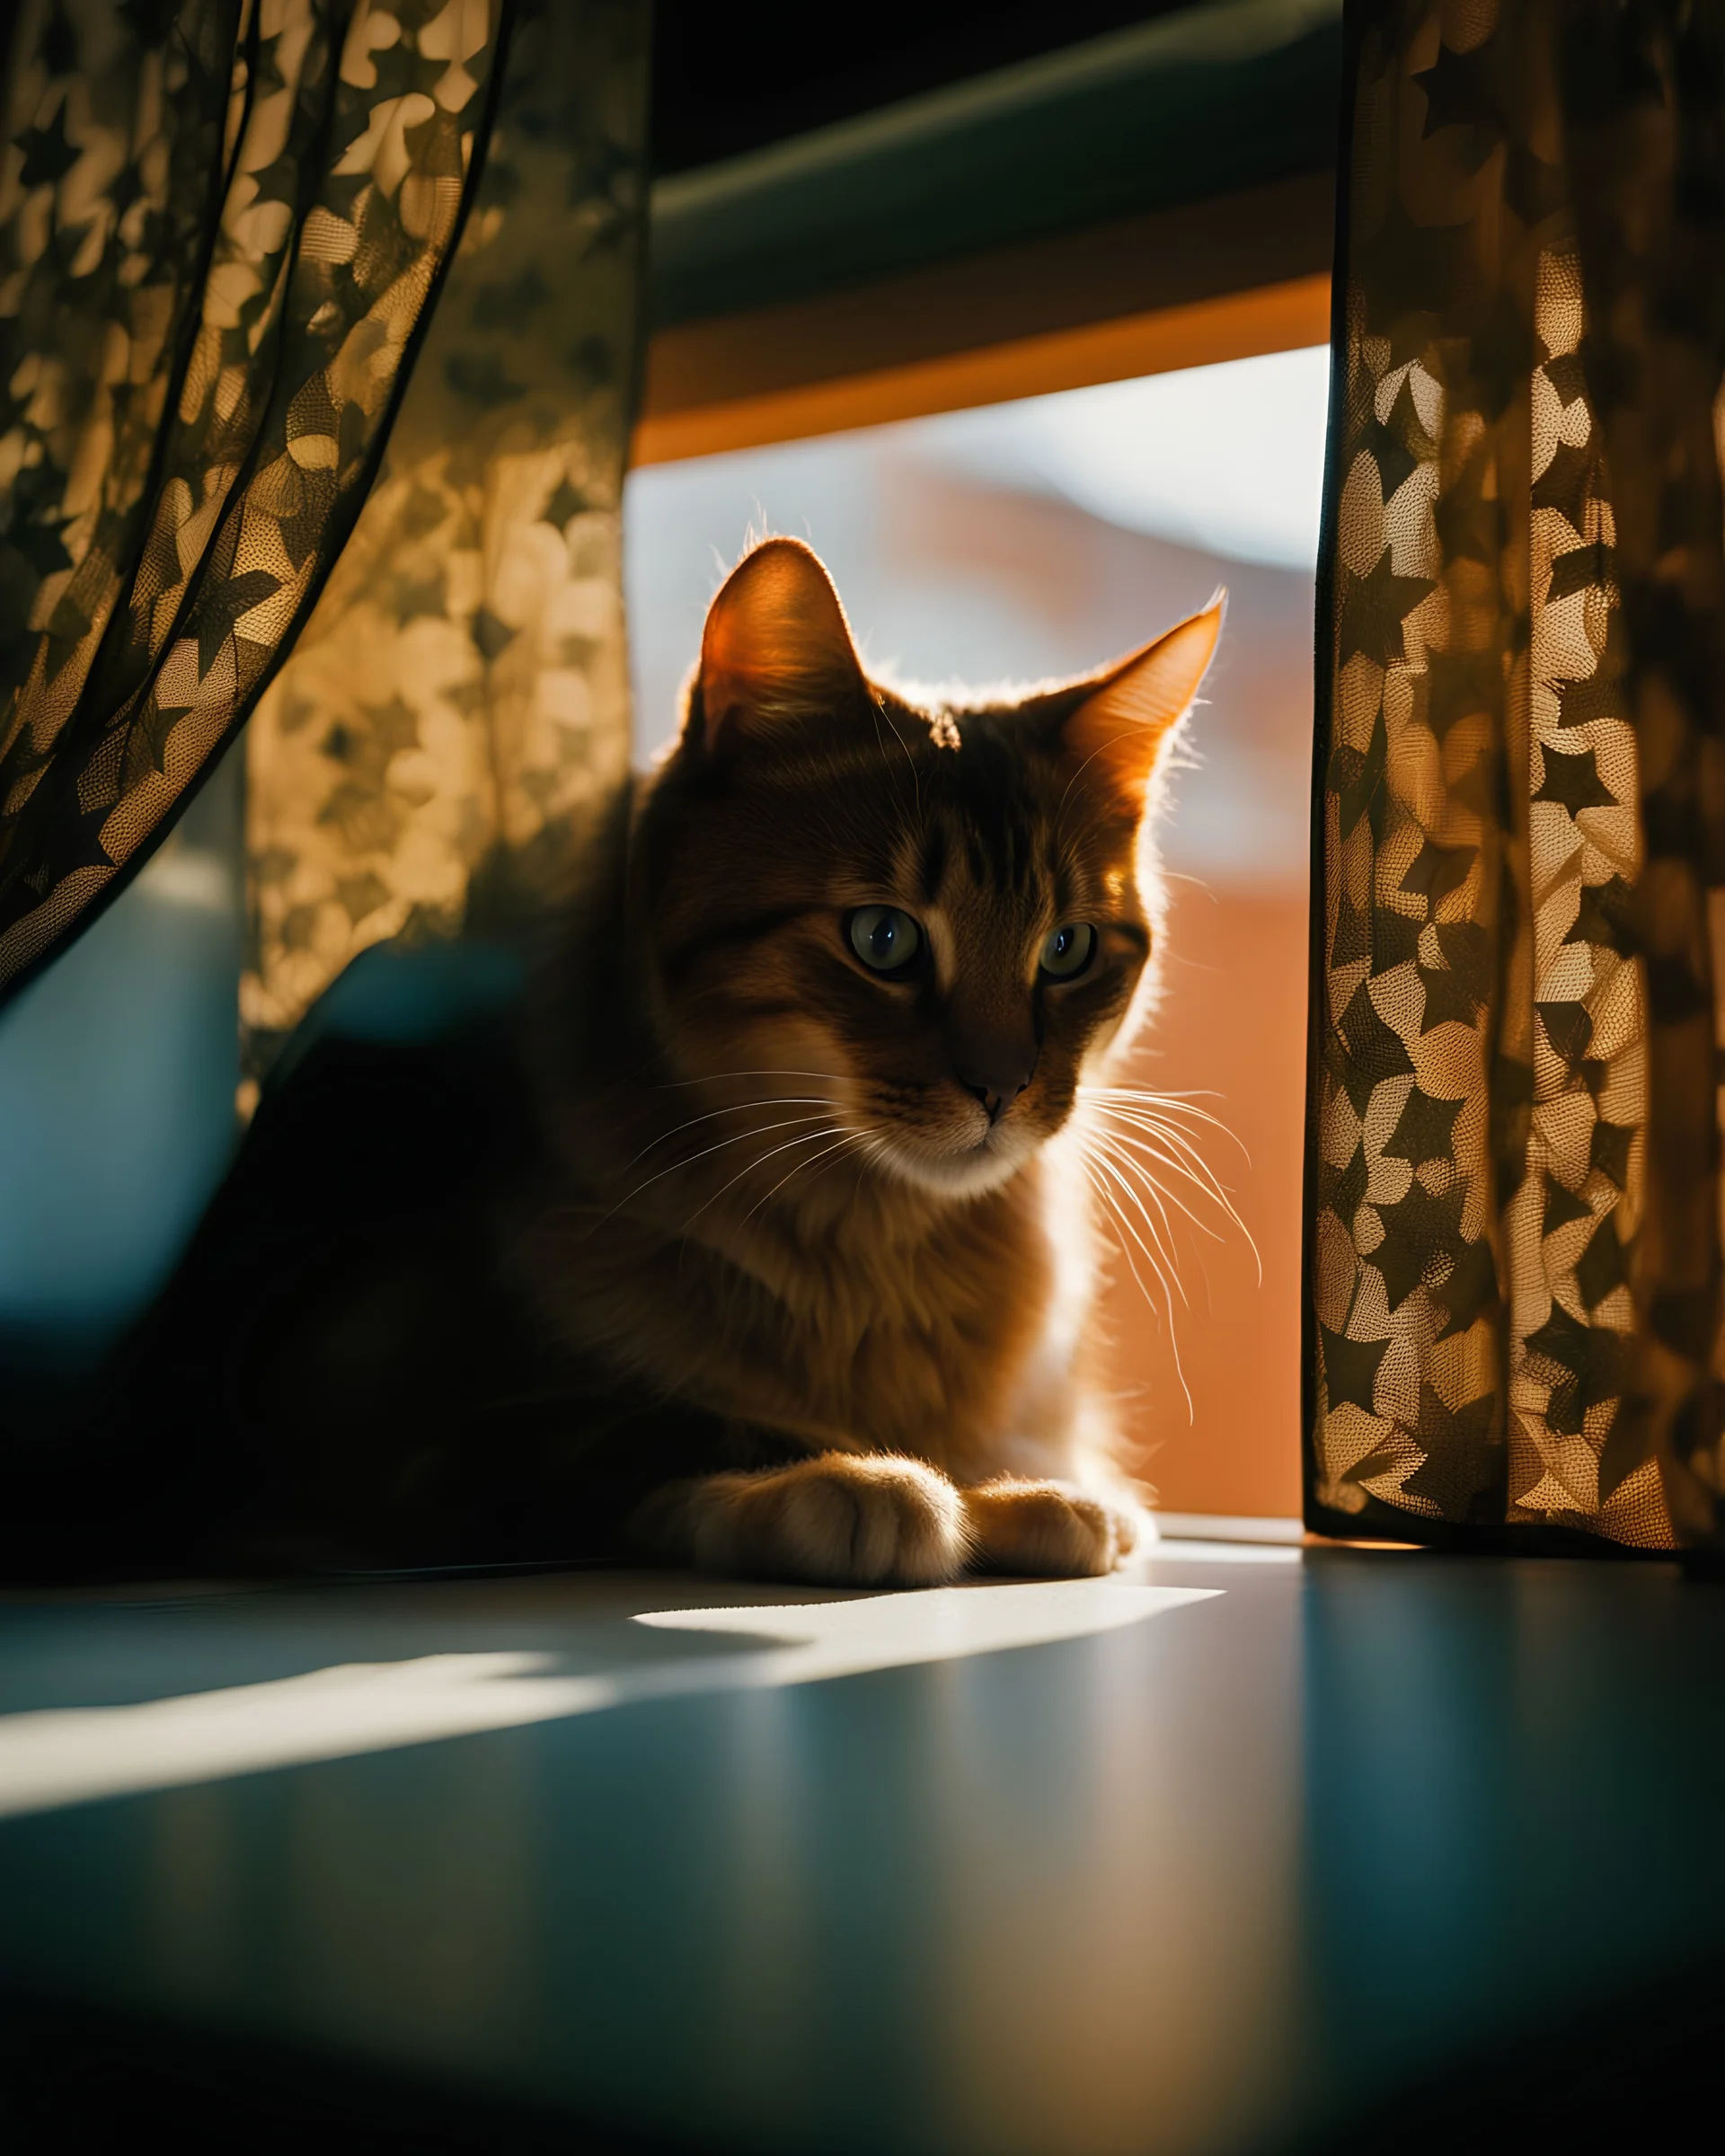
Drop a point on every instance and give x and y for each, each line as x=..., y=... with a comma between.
x=245, y=244
x=1514, y=1235
x=458, y=705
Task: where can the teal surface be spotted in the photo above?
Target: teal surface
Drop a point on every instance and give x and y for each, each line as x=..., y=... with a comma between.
x=1182, y=1874
x=402, y=995
x=1220, y=96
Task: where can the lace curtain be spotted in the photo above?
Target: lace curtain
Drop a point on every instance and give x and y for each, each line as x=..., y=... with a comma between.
x=1514, y=1195
x=247, y=246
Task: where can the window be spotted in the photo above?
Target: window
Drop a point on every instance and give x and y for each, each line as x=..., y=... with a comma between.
x=1040, y=536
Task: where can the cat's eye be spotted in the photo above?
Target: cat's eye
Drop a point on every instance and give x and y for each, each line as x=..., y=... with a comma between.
x=884, y=938
x=1066, y=951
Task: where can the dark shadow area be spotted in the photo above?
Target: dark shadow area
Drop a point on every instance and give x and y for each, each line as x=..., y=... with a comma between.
x=1637, y=2072
x=73, y=2078
x=76, y=2079
x=1512, y=1885
x=340, y=1378
x=723, y=84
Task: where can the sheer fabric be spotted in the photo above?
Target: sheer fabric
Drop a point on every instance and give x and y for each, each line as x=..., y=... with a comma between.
x=1514, y=1194
x=225, y=232
x=457, y=704
x=221, y=229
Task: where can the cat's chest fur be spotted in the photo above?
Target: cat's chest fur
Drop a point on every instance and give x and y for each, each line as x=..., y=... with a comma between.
x=932, y=1335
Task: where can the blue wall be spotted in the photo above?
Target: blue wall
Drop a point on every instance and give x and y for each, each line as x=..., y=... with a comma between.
x=118, y=1073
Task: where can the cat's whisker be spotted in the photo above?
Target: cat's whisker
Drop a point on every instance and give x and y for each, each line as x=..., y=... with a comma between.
x=1161, y=1197
x=1141, y=1149
x=1142, y=1120
x=1113, y=1212
x=1105, y=1198
x=1113, y=1169
x=875, y=1151
x=1141, y=1184
x=845, y=1139
x=724, y=1077
x=737, y=1108
x=1179, y=1097
x=1195, y=1170
x=1099, y=1192
x=1191, y=1166
x=1155, y=1126
x=865, y=1147
x=1214, y=1197
x=1137, y=1186
x=808, y=1138
x=1147, y=1096
x=1158, y=1092
x=869, y=1152
x=1164, y=1127
x=737, y=1137
x=1060, y=813
x=1174, y=1103
x=1152, y=1092
x=1203, y=1191
x=880, y=711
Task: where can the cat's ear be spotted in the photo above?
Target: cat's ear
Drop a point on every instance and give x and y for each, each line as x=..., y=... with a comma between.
x=776, y=647
x=1129, y=711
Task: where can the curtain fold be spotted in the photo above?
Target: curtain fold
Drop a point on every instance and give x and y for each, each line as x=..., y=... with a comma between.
x=261, y=200
x=1513, y=1258
x=225, y=229
x=457, y=704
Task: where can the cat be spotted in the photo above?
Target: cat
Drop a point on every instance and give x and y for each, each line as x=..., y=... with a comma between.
x=759, y=1234
x=824, y=1179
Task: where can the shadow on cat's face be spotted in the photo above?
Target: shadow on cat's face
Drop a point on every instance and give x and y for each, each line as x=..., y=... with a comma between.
x=930, y=920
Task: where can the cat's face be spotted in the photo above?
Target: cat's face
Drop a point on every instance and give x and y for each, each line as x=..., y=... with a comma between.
x=930, y=922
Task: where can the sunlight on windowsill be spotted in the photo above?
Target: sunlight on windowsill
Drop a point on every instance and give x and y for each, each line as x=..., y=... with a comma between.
x=56, y=1756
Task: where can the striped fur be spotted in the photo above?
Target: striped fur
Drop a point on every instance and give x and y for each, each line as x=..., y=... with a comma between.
x=780, y=1196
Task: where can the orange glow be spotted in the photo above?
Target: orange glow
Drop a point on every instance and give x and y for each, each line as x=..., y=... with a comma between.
x=676, y=422
x=1233, y=1019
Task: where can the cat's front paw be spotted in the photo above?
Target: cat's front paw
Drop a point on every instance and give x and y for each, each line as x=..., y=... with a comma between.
x=1051, y=1530
x=843, y=1519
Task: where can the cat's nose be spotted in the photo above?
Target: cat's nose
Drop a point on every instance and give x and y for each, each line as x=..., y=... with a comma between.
x=998, y=1082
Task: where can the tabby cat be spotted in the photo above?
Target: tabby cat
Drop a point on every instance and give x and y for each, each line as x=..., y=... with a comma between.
x=761, y=1233
x=813, y=1074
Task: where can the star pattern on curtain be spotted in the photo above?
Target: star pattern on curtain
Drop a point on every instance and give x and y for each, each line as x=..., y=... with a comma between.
x=221, y=228
x=1516, y=916
x=456, y=708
